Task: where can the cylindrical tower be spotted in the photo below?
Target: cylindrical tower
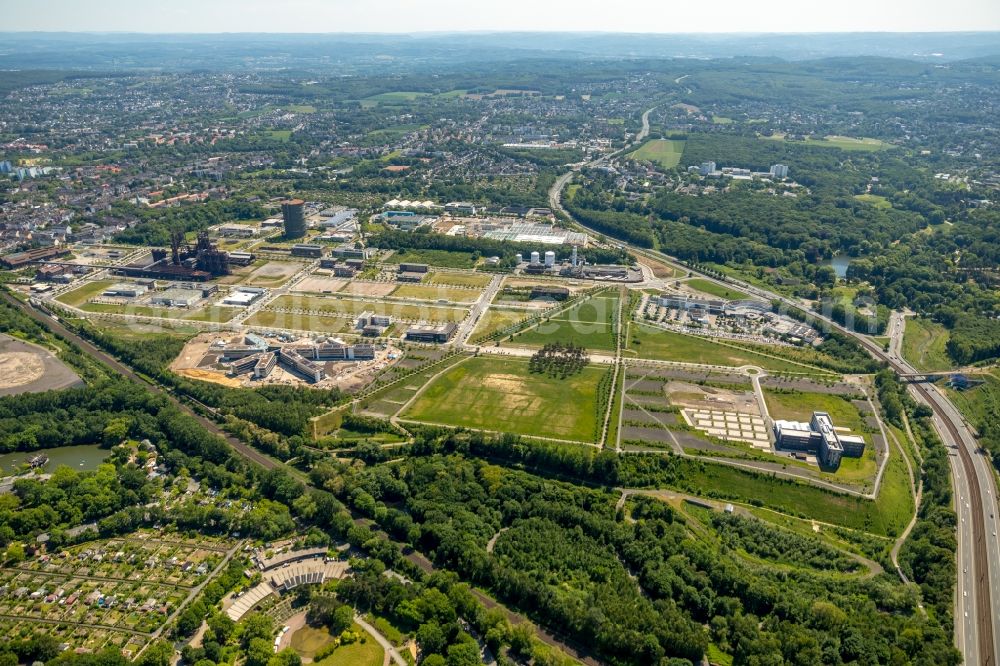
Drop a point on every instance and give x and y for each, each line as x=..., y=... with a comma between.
x=293, y=213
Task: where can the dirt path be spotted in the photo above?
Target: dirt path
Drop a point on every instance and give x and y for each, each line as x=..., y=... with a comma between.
x=874, y=568
x=493, y=540
x=918, y=491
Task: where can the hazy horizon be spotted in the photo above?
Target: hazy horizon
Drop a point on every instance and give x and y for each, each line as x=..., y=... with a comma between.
x=450, y=16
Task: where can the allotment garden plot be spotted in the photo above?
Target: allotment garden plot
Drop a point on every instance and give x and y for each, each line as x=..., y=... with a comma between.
x=500, y=394
x=107, y=594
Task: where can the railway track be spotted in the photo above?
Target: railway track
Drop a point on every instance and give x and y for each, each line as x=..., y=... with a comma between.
x=47, y=320
x=984, y=612
x=53, y=324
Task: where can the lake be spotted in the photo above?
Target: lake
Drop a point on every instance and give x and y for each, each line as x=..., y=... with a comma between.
x=82, y=458
x=840, y=263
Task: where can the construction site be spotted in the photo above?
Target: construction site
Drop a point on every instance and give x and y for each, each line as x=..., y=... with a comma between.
x=251, y=360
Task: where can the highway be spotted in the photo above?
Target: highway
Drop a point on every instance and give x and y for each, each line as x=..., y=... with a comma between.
x=978, y=557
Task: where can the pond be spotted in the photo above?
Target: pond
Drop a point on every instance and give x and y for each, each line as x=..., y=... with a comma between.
x=840, y=263
x=82, y=458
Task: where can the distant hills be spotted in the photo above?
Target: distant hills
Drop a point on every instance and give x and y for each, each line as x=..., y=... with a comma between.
x=357, y=53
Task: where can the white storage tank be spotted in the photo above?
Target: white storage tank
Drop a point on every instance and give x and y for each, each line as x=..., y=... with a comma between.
x=550, y=258
x=519, y=258
x=534, y=257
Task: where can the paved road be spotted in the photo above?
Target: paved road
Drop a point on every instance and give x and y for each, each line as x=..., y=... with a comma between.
x=479, y=308
x=895, y=331
x=577, y=651
x=644, y=132
x=976, y=626
x=195, y=591
x=390, y=650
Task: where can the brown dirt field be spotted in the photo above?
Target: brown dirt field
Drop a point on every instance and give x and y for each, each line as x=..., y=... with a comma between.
x=273, y=273
x=19, y=368
x=370, y=288
x=659, y=269
x=209, y=376
x=708, y=397
x=320, y=285
x=195, y=350
x=508, y=383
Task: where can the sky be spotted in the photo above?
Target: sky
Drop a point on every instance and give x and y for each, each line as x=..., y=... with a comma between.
x=407, y=16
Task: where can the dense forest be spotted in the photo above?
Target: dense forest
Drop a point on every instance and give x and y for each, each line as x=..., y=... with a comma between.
x=913, y=238
x=643, y=590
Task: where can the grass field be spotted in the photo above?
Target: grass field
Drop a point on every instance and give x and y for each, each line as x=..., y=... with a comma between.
x=980, y=403
x=717, y=290
x=386, y=628
x=320, y=305
x=442, y=258
x=895, y=497
x=78, y=297
x=215, y=313
x=307, y=641
x=496, y=319
x=833, y=141
x=800, y=405
x=139, y=332
x=588, y=323
x=924, y=345
x=397, y=96
x=874, y=200
x=130, y=309
x=665, y=152
x=389, y=400
x=722, y=120
x=717, y=656
x=459, y=279
x=500, y=394
x=279, y=135
x=654, y=343
x=797, y=499
x=432, y=292
x=302, y=108
x=300, y=322
x=364, y=652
